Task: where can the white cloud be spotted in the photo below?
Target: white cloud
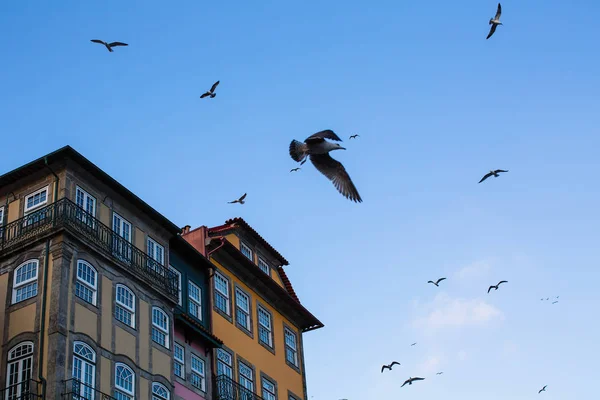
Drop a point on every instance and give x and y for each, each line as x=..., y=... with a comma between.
x=472, y=271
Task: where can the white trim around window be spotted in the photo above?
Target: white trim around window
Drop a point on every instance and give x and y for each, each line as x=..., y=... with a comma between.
x=242, y=308
x=160, y=392
x=125, y=305
x=264, y=266
x=179, y=360
x=85, y=200
x=176, y=272
x=160, y=327
x=265, y=326
x=222, y=294
x=86, y=286
x=1, y=215
x=198, y=375
x=156, y=251
x=25, y=285
x=247, y=251
x=124, y=382
x=195, y=300
x=291, y=346
x=38, y=199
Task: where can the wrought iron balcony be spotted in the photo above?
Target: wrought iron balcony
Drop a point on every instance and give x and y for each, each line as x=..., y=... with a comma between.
x=64, y=214
x=74, y=389
x=26, y=390
x=225, y=388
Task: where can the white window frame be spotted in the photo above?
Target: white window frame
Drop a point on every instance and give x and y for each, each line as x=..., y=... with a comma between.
x=160, y=328
x=229, y=365
x=240, y=292
x=28, y=282
x=160, y=386
x=176, y=272
x=92, y=287
x=244, y=246
x=260, y=308
x=263, y=389
x=156, y=245
x=23, y=363
x=287, y=331
x=1, y=215
x=266, y=264
x=124, y=391
x=125, y=307
x=226, y=295
x=179, y=361
x=36, y=206
x=85, y=392
x=249, y=379
x=195, y=302
x=86, y=196
x=201, y=374
x=121, y=253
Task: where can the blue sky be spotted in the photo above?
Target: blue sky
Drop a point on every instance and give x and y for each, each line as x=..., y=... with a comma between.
x=436, y=106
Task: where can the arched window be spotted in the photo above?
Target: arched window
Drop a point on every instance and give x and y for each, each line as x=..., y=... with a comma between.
x=19, y=370
x=125, y=305
x=25, y=284
x=84, y=371
x=160, y=327
x=86, y=286
x=124, y=382
x=160, y=392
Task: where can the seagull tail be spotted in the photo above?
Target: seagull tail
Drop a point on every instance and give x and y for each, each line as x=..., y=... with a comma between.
x=298, y=150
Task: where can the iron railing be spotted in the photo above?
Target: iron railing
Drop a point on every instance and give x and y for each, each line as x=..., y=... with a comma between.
x=225, y=388
x=26, y=390
x=64, y=214
x=74, y=389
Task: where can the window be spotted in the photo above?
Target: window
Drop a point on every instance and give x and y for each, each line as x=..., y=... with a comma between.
x=268, y=389
x=124, y=382
x=88, y=203
x=86, y=285
x=160, y=392
x=178, y=274
x=160, y=327
x=179, y=363
x=36, y=199
x=265, y=330
x=122, y=248
x=264, y=266
x=195, y=300
x=291, y=346
x=246, y=379
x=84, y=371
x=125, y=305
x=242, y=309
x=19, y=371
x=25, y=284
x=156, y=253
x=246, y=251
x=224, y=363
x=197, y=377
x=222, y=293
x=1, y=221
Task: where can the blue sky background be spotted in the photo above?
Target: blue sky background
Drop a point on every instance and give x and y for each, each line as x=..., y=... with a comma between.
x=436, y=106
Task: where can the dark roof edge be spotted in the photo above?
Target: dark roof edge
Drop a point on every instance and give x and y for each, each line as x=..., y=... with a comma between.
x=178, y=243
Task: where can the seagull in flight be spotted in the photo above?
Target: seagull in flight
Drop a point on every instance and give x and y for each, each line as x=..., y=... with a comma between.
x=436, y=282
x=411, y=380
x=109, y=46
x=554, y=302
x=494, y=22
x=496, y=286
x=495, y=173
x=354, y=136
x=240, y=200
x=439, y=373
x=413, y=343
x=317, y=149
x=542, y=389
x=295, y=169
x=389, y=366
x=211, y=92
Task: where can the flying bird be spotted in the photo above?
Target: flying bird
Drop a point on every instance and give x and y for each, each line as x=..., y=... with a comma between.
x=439, y=373
x=240, y=200
x=495, y=173
x=211, y=92
x=436, y=282
x=494, y=22
x=389, y=366
x=317, y=149
x=109, y=46
x=295, y=169
x=354, y=136
x=413, y=343
x=542, y=389
x=411, y=380
x=496, y=286
x=554, y=302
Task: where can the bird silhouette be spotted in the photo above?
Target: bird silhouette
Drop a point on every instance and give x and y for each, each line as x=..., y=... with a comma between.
x=240, y=200
x=496, y=286
x=542, y=389
x=494, y=22
x=317, y=149
x=439, y=373
x=295, y=169
x=354, y=136
x=436, y=282
x=109, y=46
x=413, y=343
x=389, y=366
x=211, y=92
x=411, y=380
x=494, y=173
x=554, y=302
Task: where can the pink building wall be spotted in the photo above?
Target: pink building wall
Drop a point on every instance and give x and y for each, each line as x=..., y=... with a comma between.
x=199, y=347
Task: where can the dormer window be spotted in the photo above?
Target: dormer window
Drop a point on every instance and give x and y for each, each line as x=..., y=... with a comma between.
x=264, y=266
x=246, y=251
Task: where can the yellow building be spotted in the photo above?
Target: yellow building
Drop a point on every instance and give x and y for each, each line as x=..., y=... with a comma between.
x=87, y=294
x=256, y=313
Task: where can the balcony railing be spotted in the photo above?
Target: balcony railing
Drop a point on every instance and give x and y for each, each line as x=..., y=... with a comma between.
x=226, y=388
x=76, y=390
x=64, y=214
x=26, y=390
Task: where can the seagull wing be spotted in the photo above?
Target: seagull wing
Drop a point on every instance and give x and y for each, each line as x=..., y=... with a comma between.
x=491, y=288
x=498, y=13
x=243, y=197
x=214, y=86
x=231, y=202
x=418, y=379
x=439, y=280
x=384, y=367
x=501, y=170
x=98, y=41
x=492, y=30
x=486, y=175
x=205, y=94
x=405, y=382
x=335, y=172
x=501, y=282
x=394, y=363
x=326, y=134
x=113, y=44
x=431, y=282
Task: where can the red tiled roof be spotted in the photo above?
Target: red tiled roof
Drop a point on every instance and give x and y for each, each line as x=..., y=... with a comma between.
x=287, y=284
x=234, y=222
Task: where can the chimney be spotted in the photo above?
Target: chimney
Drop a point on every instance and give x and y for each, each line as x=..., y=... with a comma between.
x=185, y=230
